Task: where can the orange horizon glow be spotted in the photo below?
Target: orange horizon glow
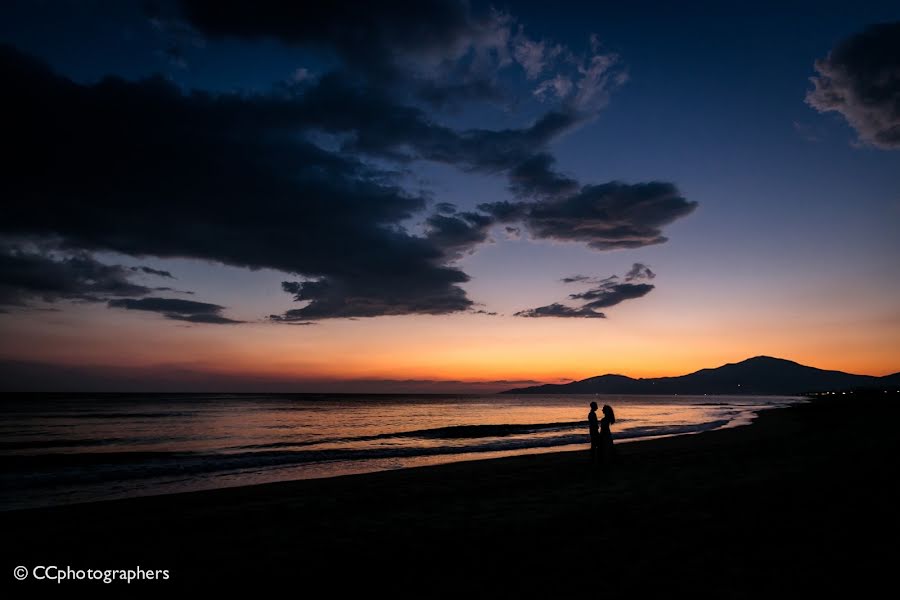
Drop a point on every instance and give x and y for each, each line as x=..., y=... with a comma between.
x=488, y=349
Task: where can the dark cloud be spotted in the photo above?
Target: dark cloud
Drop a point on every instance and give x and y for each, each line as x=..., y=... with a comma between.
x=513, y=233
x=639, y=271
x=371, y=296
x=27, y=276
x=458, y=234
x=498, y=151
x=535, y=176
x=612, y=293
x=358, y=105
x=42, y=273
x=374, y=37
x=589, y=279
x=174, y=37
x=246, y=187
x=606, y=216
x=561, y=310
x=176, y=309
x=575, y=279
x=143, y=169
x=443, y=53
x=860, y=78
x=156, y=272
x=377, y=125
x=455, y=95
x=608, y=292
x=611, y=215
x=505, y=211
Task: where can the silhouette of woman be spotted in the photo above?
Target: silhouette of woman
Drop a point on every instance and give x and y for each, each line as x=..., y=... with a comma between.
x=606, y=451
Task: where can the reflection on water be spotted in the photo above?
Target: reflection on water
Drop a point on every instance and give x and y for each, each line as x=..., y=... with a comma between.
x=60, y=449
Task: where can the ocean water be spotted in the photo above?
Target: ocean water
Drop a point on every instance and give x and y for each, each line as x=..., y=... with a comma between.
x=62, y=449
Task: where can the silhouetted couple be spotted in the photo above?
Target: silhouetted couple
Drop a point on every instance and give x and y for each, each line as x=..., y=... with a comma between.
x=601, y=437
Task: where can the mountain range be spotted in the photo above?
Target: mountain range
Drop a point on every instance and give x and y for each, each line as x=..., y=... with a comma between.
x=759, y=375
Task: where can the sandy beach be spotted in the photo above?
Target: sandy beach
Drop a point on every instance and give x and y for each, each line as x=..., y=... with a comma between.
x=800, y=500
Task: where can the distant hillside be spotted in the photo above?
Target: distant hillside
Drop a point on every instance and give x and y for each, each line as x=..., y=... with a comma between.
x=759, y=375
x=891, y=379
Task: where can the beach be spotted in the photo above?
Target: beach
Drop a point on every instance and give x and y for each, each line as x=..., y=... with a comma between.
x=79, y=448
x=800, y=500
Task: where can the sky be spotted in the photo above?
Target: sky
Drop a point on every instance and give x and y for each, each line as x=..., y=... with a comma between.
x=277, y=196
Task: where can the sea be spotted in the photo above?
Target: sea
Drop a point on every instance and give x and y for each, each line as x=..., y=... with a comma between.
x=60, y=449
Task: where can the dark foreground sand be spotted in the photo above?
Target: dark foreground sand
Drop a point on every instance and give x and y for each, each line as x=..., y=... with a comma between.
x=800, y=502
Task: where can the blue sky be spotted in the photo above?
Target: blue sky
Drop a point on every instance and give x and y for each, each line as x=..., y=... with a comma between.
x=793, y=238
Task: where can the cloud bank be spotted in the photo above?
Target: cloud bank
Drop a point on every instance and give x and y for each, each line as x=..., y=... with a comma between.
x=30, y=275
x=144, y=168
x=860, y=79
x=607, y=216
x=177, y=309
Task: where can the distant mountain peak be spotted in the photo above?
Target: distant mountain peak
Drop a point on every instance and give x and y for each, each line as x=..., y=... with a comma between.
x=771, y=360
x=764, y=360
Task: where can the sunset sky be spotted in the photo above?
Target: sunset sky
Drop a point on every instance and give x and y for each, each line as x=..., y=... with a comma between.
x=356, y=197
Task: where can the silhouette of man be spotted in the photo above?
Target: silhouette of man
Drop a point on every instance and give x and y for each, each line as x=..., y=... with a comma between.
x=594, y=427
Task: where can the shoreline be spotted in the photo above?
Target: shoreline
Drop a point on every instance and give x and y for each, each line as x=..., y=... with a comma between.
x=60, y=476
x=425, y=460
x=667, y=504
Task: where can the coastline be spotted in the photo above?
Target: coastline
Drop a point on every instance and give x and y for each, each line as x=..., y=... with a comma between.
x=84, y=449
x=784, y=501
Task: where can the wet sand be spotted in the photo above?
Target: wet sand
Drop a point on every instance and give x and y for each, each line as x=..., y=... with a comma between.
x=800, y=501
